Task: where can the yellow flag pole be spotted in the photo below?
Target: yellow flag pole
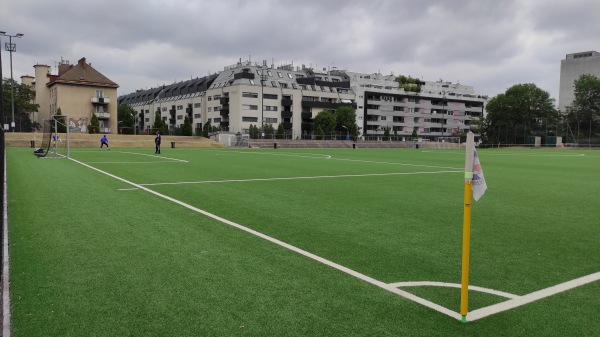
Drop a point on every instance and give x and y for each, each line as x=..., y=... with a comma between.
x=466, y=247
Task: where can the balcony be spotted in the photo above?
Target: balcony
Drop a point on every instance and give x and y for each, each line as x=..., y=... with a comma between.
x=286, y=102
x=287, y=125
x=286, y=114
x=224, y=100
x=306, y=115
x=102, y=115
x=224, y=112
x=100, y=100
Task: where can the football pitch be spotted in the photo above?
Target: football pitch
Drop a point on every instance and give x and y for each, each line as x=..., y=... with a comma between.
x=301, y=242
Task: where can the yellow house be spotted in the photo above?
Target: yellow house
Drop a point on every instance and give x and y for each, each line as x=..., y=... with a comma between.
x=79, y=91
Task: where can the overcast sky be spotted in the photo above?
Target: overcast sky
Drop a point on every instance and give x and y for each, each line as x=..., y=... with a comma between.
x=488, y=44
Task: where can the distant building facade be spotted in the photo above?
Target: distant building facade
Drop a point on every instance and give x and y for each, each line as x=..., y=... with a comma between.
x=247, y=93
x=79, y=91
x=571, y=68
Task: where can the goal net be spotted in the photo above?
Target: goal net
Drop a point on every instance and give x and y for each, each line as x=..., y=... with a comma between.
x=238, y=140
x=55, y=138
x=447, y=143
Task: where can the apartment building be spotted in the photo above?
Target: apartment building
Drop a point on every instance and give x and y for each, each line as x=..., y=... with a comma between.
x=571, y=68
x=246, y=94
x=257, y=94
x=438, y=109
x=79, y=91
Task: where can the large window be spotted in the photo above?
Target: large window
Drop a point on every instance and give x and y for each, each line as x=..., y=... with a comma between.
x=270, y=108
x=270, y=96
x=249, y=107
x=249, y=119
x=250, y=94
x=270, y=120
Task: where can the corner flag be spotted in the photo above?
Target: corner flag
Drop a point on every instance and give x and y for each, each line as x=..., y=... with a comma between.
x=478, y=183
x=474, y=188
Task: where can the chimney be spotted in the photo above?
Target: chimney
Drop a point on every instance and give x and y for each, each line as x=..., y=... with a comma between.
x=82, y=62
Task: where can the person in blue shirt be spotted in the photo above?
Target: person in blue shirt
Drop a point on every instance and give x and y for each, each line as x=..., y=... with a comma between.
x=104, y=141
x=157, y=142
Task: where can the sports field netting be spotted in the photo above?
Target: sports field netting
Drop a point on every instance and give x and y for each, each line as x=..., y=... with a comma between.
x=146, y=245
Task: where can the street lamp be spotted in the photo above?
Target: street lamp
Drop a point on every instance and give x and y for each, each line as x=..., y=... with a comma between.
x=11, y=48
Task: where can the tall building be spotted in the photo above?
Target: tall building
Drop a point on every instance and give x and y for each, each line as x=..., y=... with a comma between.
x=571, y=68
x=257, y=94
x=79, y=91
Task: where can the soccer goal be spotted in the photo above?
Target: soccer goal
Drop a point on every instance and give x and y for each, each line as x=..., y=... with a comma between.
x=238, y=140
x=447, y=143
x=55, y=138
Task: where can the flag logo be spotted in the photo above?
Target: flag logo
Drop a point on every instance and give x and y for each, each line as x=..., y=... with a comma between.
x=478, y=183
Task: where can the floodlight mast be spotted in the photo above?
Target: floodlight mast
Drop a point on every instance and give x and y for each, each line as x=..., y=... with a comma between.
x=11, y=48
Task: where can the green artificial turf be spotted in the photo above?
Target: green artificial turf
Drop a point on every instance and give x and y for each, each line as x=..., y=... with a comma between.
x=94, y=256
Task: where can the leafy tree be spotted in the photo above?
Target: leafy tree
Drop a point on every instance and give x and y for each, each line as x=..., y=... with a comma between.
x=159, y=124
x=354, y=132
x=207, y=129
x=586, y=105
x=186, y=129
x=326, y=121
x=94, y=126
x=280, y=132
x=24, y=108
x=319, y=133
x=522, y=109
x=345, y=117
x=269, y=131
x=62, y=126
x=125, y=118
x=386, y=134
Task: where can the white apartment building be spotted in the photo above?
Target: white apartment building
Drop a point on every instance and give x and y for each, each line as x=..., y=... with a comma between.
x=257, y=94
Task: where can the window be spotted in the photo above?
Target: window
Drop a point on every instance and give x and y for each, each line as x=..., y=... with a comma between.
x=249, y=119
x=294, y=85
x=274, y=84
x=209, y=109
x=270, y=108
x=249, y=107
x=283, y=85
x=290, y=76
x=217, y=120
x=270, y=96
x=250, y=94
x=179, y=107
x=180, y=117
x=197, y=105
x=164, y=108
x=209, y=98
x=216, y=96
x=270, y=120
x=383, y=118
x=217, y=108
x=251, y=81
x=99, y=93
x=197, y=116
x=269, y=73
x=279, y=74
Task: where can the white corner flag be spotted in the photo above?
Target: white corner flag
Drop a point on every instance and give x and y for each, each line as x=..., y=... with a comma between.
x=478, y=183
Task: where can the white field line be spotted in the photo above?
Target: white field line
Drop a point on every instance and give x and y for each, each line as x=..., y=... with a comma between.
x=453, y=285
x=472, y=316
x=6, y=306
x=332, y=264
x=314, y=156
x=142, y=162
x=531, y=297
x=296, y=178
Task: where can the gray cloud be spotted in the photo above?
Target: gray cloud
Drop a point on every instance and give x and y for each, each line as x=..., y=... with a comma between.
x=490, y=45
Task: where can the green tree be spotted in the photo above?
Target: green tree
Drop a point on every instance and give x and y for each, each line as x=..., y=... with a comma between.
x=280, y=132
x=326, y=121
x=61, y=127
x=585, y=109
x=386, y=134
x=159, y=124
x=354, y=132
x=269, y=131
x=206, y=130
x=319, y=133
x=94, y=126
x=125, y=118
x=186, y=129
x=24, y=108
x=524, y=109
